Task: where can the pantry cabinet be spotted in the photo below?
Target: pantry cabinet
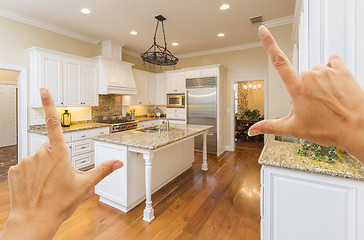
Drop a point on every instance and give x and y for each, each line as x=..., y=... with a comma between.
x=71, y=80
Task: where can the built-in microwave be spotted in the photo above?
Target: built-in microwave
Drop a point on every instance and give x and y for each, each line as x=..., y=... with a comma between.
x=176, y=100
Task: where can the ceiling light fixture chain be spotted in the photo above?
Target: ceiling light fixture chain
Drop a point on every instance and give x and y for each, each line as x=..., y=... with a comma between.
x=157, y=54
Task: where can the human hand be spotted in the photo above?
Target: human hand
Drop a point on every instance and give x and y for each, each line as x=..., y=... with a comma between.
x=327, y=103
x=45, y=189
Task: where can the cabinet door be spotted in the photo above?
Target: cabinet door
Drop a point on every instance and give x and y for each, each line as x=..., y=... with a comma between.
x=181, y=84
x=151, y=89
x=89, y=86
x=160, y=90
x=142, y=88
x=72, y=78
x=172, y=83
x=209, y=72
x=193, y=74
x=51, y=75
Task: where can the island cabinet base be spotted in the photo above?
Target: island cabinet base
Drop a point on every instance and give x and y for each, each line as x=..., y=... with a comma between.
x=126, y=187
x=300, y=205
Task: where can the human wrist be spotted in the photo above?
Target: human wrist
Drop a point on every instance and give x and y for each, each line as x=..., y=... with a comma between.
x=26, y=227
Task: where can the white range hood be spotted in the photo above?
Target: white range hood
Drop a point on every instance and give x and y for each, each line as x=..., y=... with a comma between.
x=115, y=76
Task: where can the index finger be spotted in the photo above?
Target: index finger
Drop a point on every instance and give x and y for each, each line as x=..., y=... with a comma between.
x=53, y=123
x=278, y=58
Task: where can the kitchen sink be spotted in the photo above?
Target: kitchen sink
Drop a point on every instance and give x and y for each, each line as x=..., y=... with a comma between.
x=283, y=138
x=150, y=130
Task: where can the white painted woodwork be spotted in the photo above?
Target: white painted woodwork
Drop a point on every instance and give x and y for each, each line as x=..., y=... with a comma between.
x=204, y=152
x=8, y=114
x=176, y=113
x=72, y=80
x=176, y=81
x=115, y=77
x=146, y=89
x=177, y=121
x=160, y=89
x=323, y=28
x=79, y=144
x=144, y=172
x=302, y=205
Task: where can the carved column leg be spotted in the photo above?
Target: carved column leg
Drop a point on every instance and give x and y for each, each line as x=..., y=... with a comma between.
x=204, y=150
x=148, y=211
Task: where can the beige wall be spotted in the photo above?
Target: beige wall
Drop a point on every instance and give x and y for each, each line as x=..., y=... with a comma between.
x=8, y=76
x=278, y=99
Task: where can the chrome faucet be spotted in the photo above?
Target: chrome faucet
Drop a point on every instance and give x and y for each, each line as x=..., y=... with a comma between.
x=167, y=124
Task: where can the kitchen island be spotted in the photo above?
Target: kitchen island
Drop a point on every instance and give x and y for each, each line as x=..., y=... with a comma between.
x=306, y=199
x=169, y=152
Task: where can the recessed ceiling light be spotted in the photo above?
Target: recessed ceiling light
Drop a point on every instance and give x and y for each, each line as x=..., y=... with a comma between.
x=224, y=7
x=221, y=34
x=85, y=11
x=133, y=33
x=175, y=43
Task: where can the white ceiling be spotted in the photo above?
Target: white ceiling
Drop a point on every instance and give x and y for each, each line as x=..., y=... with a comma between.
x=194, y=24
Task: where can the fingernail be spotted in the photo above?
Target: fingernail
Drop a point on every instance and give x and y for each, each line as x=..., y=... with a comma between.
x=252, y=133
x=263, y=31
x=43, y=92
x=117, y=165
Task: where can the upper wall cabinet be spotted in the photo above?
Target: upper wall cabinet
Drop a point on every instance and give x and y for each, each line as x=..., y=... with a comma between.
x=160, y=89
x=71, y=80
x=115, y=77
x=146, y=89
x=176, y=82
x=201, y=72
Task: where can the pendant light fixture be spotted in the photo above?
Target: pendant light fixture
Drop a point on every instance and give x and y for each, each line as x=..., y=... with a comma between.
x=157, y=54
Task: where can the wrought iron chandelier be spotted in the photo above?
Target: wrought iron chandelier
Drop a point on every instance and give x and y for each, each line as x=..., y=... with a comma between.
x=157, y=54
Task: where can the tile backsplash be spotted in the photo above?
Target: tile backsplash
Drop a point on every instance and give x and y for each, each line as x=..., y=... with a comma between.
x=109, y=105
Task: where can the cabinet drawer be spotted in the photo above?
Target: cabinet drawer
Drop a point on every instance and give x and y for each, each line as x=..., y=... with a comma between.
x=83, y=160
x=176, y=110
x=101, y=131
x=82, y=147
x=176, y=116
x=82, y=135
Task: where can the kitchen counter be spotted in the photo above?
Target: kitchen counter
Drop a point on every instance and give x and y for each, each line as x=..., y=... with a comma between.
x=41, y=129
x=147, y=140
x=284, y=155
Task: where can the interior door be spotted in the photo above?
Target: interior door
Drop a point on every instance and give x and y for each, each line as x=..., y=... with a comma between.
x=8, y=123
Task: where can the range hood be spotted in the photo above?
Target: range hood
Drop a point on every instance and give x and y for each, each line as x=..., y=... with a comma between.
x=115, y=76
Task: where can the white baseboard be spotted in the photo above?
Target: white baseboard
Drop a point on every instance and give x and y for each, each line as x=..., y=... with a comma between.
x=229, y=148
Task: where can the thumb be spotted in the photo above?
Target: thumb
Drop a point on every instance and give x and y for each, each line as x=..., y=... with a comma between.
x=268, y=127
x=95, y=175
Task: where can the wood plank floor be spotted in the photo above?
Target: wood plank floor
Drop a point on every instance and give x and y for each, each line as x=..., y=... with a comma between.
x=8, y=158
x=222, y=203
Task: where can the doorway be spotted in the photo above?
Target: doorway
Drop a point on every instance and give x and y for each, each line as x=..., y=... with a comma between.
x=8, y=121
x=250, y=106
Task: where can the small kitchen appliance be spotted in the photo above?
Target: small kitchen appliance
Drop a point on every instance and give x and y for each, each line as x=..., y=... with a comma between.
x=176, y=100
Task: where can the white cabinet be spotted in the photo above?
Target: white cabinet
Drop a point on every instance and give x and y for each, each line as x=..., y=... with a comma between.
x=145, y=84
x=322, y=28
x=79, y=144
x=300, y=205
x=201, y=72
x=160, y=89
x=176, y=113
x=176, y=82
x=71, y=80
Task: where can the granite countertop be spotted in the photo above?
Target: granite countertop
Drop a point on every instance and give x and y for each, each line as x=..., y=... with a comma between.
x=153, y=140
x=41, y=129
x=284, y=154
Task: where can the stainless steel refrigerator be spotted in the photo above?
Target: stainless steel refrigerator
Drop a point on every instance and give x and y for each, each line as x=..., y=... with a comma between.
x=201, y=109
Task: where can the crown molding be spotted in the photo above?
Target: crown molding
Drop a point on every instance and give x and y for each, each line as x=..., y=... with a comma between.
x=278, y=22
x=130, y=53
x=53, y=28
x=222, y=50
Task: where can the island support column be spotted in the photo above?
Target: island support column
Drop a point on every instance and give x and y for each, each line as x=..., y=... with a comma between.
x=204, y=152
x=148, y=211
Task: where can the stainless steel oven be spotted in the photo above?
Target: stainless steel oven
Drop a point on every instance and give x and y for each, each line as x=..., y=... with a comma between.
x=176, y=100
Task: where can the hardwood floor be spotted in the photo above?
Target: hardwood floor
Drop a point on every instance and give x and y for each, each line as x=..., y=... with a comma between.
x=222, y=203
x=8, y=158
